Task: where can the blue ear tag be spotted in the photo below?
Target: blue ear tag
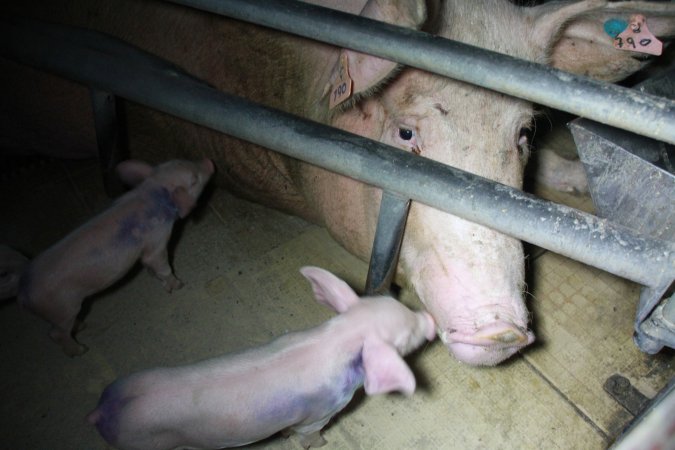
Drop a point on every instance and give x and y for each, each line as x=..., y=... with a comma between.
x=615, y=26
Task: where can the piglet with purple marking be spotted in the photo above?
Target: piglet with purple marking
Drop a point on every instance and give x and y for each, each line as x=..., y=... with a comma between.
x=295, y=383
x=103, y=250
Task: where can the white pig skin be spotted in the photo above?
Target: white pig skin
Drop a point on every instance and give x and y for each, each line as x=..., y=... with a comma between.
x=97, y=254
x=295, y=383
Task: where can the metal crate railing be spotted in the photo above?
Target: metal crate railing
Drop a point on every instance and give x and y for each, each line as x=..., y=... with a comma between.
x=114, y=68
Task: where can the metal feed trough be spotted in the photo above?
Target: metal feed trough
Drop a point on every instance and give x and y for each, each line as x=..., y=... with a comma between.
x=114, y=68
x=632, y=182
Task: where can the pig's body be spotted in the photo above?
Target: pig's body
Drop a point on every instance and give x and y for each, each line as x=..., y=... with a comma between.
x=297, y=382
x=100, y=252
x=469, y=277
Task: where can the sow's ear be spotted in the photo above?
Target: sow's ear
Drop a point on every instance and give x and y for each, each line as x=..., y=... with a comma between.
x=132, y=172
x=368, y=71
x=580, y=36
x=385, y=370
x=329, y=290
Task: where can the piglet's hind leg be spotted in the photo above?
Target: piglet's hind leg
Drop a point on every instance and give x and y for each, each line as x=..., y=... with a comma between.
x=62, y=334
x=61, y=310
x=313, y=439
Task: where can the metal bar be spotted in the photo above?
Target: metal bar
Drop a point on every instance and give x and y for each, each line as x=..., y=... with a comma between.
x=160, y=85
x=657, y=330
x=640, y=113
x=112, y=148
x=388, y=236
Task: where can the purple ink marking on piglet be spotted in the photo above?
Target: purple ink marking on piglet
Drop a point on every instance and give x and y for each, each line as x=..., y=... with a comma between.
x=129, y=230
x=296, y=383
x=162, y=205
x=330, y=397
x=100, y=252
x=353, y=378
x=109, y=406
x=160, y=209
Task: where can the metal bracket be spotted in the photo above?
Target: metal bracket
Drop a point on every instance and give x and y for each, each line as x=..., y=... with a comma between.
x=658, y=329
x=620, y=389
x=388, y=236
x=653, y=428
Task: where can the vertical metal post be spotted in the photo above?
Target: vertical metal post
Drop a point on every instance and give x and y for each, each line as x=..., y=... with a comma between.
x=110, y=138
x=387, y=243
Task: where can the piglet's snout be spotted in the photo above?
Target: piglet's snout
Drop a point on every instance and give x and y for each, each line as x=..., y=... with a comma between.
x=208, y=167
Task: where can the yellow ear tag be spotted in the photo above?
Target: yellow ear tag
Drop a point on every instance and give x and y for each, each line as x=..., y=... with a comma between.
x=341, y=88
x=637, y=37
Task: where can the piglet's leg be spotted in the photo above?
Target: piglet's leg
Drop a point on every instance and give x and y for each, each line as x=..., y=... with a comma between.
x=157, y=262
x=61, y=310
x=79, y=326
x=61, y=333
x=313, y=439
x=310, y=434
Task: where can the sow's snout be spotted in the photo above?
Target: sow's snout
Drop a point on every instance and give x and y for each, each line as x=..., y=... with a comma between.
x=488, y=345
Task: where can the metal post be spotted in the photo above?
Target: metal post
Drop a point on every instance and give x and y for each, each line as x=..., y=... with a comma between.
x=384, y=256
x=110, y=138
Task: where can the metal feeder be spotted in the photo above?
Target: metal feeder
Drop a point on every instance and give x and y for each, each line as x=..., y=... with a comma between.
x=632, y=183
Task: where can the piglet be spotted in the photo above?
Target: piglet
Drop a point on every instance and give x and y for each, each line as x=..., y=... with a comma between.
x=12, y=264
x=295, y=383
x=103, y=250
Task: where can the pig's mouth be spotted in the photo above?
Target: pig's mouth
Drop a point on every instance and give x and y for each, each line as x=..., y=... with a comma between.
x=488, y=345
x=481, y=319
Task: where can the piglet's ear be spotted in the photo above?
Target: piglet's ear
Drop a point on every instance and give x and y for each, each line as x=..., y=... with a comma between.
x=385, y=370
x=183, y=201
x=329, y=289
x=132, y=172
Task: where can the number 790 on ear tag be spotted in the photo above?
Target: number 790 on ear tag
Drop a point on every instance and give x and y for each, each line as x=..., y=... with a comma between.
x=341, y=89
x=637, y=37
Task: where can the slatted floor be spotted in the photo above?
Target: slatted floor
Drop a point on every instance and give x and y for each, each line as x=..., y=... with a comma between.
x=240, y=263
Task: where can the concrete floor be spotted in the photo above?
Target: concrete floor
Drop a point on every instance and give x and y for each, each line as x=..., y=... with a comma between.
x=240, y=264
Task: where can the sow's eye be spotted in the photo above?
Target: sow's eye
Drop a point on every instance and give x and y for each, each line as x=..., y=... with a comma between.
x=408, y=139
x=405, y=134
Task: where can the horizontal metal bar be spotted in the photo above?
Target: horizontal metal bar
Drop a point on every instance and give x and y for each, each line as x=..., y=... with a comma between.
x=118, y=68
x=631, y=110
